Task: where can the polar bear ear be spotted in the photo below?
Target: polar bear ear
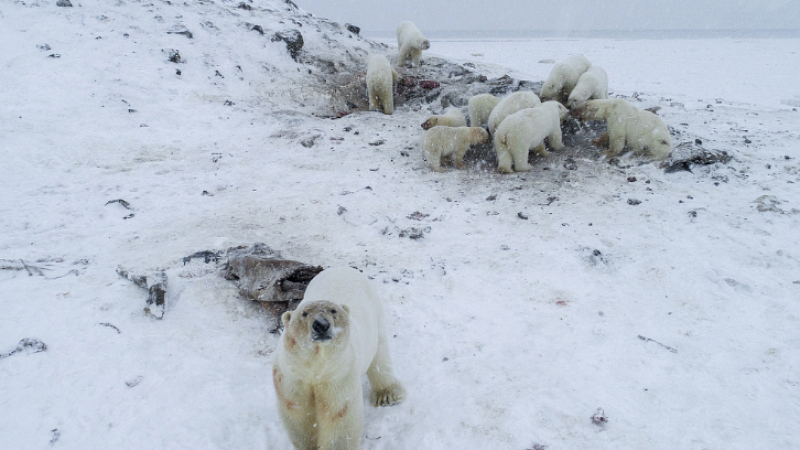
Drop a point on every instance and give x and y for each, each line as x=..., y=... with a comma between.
x=346, y=309
x=285, y=318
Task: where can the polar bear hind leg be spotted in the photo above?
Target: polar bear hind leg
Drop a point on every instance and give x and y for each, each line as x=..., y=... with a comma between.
x=555, y=140
x=519, y=153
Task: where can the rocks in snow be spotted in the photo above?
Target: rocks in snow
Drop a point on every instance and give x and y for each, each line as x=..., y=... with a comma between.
x=293, y=39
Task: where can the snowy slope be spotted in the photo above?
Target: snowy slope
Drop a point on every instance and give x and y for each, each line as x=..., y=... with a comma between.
x=508, y=332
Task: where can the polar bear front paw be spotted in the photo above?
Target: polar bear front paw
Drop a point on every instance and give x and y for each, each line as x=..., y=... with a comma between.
x=388, y=396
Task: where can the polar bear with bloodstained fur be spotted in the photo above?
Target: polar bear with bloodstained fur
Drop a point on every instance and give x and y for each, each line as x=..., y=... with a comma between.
x=336, y=335
x=563, y=78
x=525, y=130
x=410, y=43
x=480, y=107
x=441, y=143
x=511, y=104
x=452, y=117
x=592, y=85
x=628, y=127
x=380, y=80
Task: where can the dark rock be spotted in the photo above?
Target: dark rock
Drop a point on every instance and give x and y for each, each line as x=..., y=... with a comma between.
x=257, y=28
x=43, y=47
x=522, y=216
x=244, y=6
x=688, y=153
x=186, y=33
x=377, y=143
x=263, y=275
x=352, y=28
x=633, y=201
x=429, y=84
x=64, y=3
x=156, y=284
x=174, y=56
x=207, y=256
x=408, y=81
x=570, y=164
x=293, y=39
x=34, y=345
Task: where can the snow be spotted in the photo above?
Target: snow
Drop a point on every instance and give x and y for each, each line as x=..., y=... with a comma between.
x=506, y=332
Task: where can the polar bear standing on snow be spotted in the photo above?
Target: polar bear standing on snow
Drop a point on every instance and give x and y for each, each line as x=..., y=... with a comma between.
x=564, y=77
x=592, y=85
x=380, y=79
x=480, y=107
x=527, y=129
x=628, y=126
x=335, y=335
x=441, y=143
x=511, y=104
x=410, y=43
x=452, y=117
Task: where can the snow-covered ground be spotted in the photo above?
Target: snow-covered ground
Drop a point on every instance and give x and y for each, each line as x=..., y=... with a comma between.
x=678, y=316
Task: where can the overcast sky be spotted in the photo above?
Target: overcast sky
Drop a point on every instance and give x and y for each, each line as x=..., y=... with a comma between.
x=561, y=15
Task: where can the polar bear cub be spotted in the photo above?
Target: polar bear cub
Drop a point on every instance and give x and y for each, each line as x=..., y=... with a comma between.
x=452, y=117
x=410, y=43
x=335, y=335
x=564, y=77
x=509, y=105
x=440, y=143
x=628, y=126
x=592, y=85
x=480, y=107
x=525, y=130
x=380, y=79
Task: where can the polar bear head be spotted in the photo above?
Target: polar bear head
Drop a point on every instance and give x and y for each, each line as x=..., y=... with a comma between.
x=562, y=111
x=314, y=325
x=478, y=135
x=550, y=90
x=423, y=43
x=592, y=110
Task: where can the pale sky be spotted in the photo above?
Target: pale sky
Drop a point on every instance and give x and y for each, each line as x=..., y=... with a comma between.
x=561, y=15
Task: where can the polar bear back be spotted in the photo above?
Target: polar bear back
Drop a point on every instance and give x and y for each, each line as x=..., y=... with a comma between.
x=593, y=84
x=480, y=108
x=564, y=77
x=529, y=126
x=347, y=286
x=511, y=104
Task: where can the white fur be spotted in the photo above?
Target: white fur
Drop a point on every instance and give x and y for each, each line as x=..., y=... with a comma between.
x=410, y=44
x=629, y=127
x=509, y=105
x=592, y=85
x=563, y=78
x=318, y=383
x=440, y=143
x=380, y=79
x=452, y=117
x=480, y=107
x=525, y=130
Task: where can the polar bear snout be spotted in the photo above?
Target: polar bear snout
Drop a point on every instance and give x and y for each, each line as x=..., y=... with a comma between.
x=320, y=329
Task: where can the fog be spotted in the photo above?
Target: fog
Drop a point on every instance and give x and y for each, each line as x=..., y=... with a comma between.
x=562, y=15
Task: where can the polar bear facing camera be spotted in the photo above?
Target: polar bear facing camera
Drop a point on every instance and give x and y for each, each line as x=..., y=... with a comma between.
x=380, y=79
x=480, y=107
x=563, y=78
x=452, y=117
x=335, y=336
x=410, y=44
x=592, y=85
x=511, y=104
x=628, y=127
x=525, y=130
x=441, y=143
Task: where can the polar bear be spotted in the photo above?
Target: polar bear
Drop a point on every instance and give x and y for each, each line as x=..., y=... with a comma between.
x=509, y=105
x=335, y=335
x=452, y=117
x=410, y=43
x=628, y=126
x=592, y=85
x=440, y=143
x=480, y=107
x=527, y=129
x=563, y=78
x=380, y=79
